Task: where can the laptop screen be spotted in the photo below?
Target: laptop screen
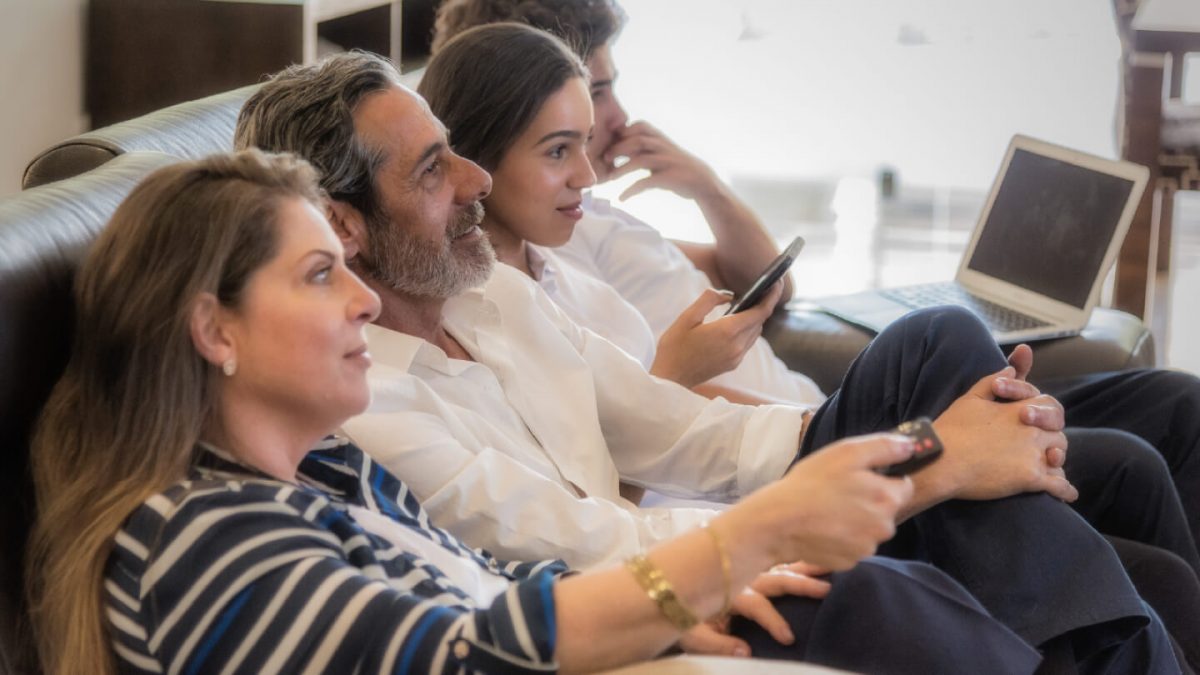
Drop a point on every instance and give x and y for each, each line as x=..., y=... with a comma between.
x=1050, y=226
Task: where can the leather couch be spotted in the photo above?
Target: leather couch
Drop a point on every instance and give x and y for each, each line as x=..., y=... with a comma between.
x=43, y=235
x=75, y=186
x=822, y=347
x=189, y=131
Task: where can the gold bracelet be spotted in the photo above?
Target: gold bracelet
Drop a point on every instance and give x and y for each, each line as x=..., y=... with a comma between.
x=651, y=579
x=726, y=568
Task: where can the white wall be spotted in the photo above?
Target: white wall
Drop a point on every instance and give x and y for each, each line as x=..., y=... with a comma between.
x=934, y=88
x=41, y=80
x=789, y=90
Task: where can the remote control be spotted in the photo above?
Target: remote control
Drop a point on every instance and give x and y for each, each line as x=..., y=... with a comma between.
x=928, y=447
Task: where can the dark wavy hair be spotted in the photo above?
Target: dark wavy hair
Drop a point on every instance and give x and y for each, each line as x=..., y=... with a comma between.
x=488, y=83
x=582, y=24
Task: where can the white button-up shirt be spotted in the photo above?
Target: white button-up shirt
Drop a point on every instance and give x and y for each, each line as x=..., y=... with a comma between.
x=654, y=276
x=521, y=451
x=593, y=304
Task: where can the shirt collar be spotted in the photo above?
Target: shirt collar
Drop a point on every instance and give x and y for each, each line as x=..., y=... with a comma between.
x=393, y=348
x=403, y=351
x=331, y=468
x=541, y=264
x=537, y=262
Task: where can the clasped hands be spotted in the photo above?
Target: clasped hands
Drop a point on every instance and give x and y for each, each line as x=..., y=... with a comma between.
x=1002, y=437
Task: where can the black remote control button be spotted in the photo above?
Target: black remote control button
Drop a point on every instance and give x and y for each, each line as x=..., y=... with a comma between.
x=928, y=447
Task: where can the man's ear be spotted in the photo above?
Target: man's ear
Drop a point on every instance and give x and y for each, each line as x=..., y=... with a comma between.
x=349, y=225
x=209, y=334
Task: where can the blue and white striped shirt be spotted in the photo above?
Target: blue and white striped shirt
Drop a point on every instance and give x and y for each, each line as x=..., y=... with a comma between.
x=233, y=571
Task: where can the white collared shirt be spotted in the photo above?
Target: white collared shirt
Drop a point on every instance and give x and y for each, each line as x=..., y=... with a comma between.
x=521, y=451
x=593, y=304
x=654, y=276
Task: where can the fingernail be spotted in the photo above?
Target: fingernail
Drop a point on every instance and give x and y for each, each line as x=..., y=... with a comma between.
x=741, y=652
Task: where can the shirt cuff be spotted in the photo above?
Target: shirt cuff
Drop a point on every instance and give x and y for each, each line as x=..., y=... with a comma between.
x=770, y=443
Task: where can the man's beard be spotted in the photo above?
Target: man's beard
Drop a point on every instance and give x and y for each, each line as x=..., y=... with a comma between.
x=421, y=268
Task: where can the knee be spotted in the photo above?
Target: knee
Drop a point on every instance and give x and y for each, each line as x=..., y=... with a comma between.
x=901, y=583
x=1150, y=567
x=945, y=318
x=957, y=333
x=1175, y=383
x=1113, y=452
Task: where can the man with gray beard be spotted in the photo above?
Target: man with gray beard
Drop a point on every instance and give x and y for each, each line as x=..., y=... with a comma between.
x=431, y=269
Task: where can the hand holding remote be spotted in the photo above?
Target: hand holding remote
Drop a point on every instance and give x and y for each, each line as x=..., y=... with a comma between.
x=927, y=447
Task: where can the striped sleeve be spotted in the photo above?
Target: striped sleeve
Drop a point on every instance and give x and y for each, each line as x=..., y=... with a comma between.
x=266, y=578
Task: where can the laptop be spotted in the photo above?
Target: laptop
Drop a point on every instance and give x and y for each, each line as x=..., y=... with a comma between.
x=1048, y=233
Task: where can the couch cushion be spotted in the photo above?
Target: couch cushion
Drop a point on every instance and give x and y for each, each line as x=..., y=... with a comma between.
x=189, y=130
x=43, y=235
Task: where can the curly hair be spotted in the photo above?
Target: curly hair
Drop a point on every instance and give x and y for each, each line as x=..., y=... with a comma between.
x=584, y=25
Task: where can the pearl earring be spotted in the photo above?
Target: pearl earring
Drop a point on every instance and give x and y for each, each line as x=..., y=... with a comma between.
x=229, y=367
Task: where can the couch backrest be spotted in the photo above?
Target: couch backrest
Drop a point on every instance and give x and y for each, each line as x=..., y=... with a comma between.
x=44, y=233
x=189, y=130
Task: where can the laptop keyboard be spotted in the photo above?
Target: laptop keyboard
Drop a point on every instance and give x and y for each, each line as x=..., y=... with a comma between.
x=998, y=318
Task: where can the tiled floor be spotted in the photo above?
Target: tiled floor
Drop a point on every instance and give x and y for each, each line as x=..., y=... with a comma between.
x=799, y=105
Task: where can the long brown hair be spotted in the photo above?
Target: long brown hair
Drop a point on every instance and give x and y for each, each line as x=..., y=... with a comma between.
x=122, y=422
x=488, y=84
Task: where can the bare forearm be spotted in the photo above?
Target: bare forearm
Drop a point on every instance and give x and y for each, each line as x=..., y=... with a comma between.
x=743, y=247
x=605, y=619
x=930, y=488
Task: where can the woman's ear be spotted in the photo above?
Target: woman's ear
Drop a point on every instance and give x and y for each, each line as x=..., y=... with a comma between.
x=349, y=226
x=209, y=334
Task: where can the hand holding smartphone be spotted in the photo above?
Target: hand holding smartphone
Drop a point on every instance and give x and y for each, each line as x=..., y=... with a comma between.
x=772, y=274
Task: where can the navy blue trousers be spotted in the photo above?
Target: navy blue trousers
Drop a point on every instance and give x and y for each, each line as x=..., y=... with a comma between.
x=1031, y=561
x=1159, y=413
x=895, y=617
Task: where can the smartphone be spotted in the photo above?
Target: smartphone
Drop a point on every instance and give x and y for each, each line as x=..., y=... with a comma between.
x=773, y=273
x=928, y=447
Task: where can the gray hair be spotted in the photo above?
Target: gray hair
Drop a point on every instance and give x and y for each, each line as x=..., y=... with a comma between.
x=309, y=110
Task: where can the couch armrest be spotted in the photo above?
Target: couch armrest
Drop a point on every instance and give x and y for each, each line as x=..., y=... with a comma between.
x=822, y=347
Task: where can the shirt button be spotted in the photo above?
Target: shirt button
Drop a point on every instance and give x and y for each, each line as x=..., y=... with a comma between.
x=461, y=650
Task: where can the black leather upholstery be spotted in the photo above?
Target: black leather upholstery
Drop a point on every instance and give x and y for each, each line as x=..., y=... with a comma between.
x=822, y=347
x=189, y=130
x=43, y=235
